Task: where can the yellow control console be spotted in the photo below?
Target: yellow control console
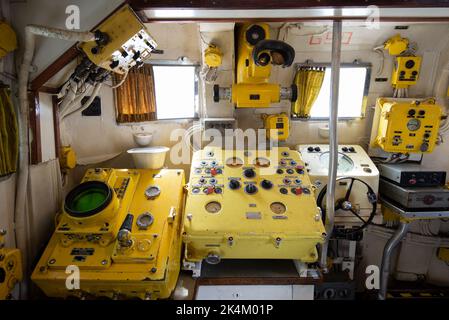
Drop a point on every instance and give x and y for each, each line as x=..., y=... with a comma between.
x=120, y=229
x=10, y=268
x=250, y=205
x=407, y=125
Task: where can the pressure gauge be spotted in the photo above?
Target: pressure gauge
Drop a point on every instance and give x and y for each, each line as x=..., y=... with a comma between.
x=213, y=207
x=152, y=192
x=261, y=162
x=278, y=208
x=345, y=163
x=145, y=220
x=234, y=162
x=413, y=124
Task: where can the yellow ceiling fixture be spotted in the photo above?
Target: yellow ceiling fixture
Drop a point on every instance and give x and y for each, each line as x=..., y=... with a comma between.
x=213, y=58
x=8, y=39
x=396, y=45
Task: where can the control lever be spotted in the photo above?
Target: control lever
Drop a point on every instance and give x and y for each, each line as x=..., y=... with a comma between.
x=124, y=235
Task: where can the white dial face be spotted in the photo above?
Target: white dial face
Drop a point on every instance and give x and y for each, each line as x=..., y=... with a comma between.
x=234, y=162
x=261, y=162
x=413, y=124
x=213, y=207
x=278, y=208
x=345, y=163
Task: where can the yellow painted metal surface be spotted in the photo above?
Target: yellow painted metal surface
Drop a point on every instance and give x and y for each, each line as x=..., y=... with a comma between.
x=255, y=95
x=10, y=268
x=213, y=56
x=8, y=39
x=406, y=71
x=443, y=254
x=229, y=220
x=252, y=89
x=396, y=45
x=68, y=158
x=408, y=126
x=148, y=268
x=277, y=126
x=128, y=37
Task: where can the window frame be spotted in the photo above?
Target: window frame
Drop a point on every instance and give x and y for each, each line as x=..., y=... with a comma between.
x=180, y=63
x=356, y=64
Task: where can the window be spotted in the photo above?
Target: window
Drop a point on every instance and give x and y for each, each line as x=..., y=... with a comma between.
x=157, y=92
x=175, y=91
x=354, y=85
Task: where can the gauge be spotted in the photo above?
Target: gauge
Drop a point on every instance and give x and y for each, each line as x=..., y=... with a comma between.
x=145, y=220
x=278, y=208
x=152, y=192
x=345, y=163
x=261, y=162
x=413, y=124
x=234, y=162
x=213, y=207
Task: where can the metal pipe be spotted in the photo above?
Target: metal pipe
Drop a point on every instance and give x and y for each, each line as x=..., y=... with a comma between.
x=400, y=233
x=333, y=139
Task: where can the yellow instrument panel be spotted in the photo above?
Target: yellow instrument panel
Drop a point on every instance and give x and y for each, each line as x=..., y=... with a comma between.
x=406, y=71
x=129, y=42
x=10, y=268
x=121, y=229
x=408, y=126
x=250, y=205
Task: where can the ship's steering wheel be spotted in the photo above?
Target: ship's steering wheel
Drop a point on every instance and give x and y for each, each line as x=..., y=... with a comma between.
x=345, y=204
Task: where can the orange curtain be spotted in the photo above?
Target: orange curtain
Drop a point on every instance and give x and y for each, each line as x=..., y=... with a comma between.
x=135, y=98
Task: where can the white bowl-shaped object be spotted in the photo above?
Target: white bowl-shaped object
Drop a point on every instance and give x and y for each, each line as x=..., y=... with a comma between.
x=143, y=139
x=149, y=158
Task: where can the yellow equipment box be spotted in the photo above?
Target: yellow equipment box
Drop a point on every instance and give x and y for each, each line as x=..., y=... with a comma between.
x=250, y=205
x=10, y=268
x=121, y=229
x=277, y=126
x=408, y=125
x=406, y=71
x=128, y=42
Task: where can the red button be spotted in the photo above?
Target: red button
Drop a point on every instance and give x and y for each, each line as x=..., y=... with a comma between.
x=213, y=171
x=298, y=191
x=210, y=190
x=412, y=181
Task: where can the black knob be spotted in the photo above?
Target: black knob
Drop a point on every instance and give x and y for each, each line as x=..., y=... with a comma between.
x=283, y=190
x=266, y=184
x=249, y=173
x=251, y=189
x=317, y=149
x=279, y=171
x=344, y=149
x=351, y=149
x=310, y=149
x=234, y=184
x=411, y=112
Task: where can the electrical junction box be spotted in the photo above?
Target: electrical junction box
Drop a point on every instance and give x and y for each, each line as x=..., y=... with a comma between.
x=250, y=205
x=121, y=228
x=129, y=42
x=406, y=71
x=407, y=126
x=353, y=161
x=412, y=175
x=277, y=126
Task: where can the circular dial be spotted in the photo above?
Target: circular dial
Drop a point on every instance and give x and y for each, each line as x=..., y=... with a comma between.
x=261, y=162
x=345, y=163
x=234, y=162
x=213, y=207
x=278, y=208
x=413, y=124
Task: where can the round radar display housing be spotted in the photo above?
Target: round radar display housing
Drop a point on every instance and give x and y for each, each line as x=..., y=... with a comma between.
x=88, y=199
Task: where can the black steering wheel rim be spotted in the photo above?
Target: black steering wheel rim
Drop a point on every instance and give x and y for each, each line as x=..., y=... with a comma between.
x=372, y=198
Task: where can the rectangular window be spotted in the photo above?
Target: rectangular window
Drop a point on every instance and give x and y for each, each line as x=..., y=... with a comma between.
x=176, y=91
x=354, y=85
